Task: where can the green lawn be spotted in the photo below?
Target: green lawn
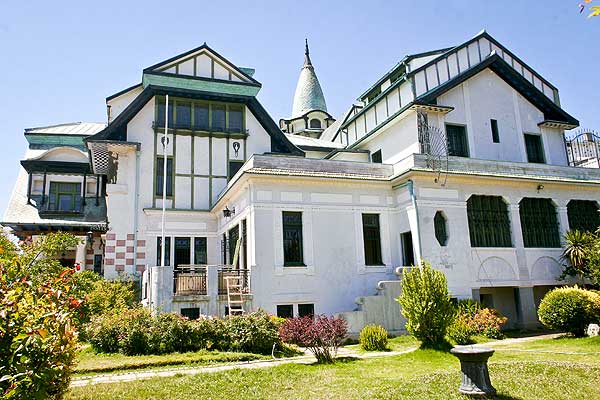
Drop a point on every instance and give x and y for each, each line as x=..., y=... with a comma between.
x=423, y=374
x=90, y=363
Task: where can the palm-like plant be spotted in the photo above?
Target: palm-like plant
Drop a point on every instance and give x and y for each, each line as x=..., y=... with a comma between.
x=576, y=252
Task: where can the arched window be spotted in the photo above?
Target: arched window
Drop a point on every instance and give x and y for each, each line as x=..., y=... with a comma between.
x=539, y=223
x=489, y=225
x=315, y=124
x=584, y=215
x=439, y=224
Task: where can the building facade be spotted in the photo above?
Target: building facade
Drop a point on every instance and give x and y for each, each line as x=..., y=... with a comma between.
x=456, y=156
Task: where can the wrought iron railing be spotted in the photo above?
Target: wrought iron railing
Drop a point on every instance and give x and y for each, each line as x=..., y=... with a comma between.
x=583, y=149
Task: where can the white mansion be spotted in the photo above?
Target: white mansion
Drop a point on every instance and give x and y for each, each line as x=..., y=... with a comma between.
x=456, y=156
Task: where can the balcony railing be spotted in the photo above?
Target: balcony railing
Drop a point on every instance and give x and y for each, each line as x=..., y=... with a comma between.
x=198, y=280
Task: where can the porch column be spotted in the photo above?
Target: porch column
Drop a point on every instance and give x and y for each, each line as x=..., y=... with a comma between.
x=517, y=238
x=526, y=307
x=84, y=188
x=563, y=222
x=29, y=188
x=44, y=189
x=80, y=252
x=212, y=289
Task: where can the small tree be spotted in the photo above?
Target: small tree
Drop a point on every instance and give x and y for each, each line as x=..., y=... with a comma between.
x=582, y=253
x=321, y=335
x=37, y=303
x=426, y=305
x=569, y=309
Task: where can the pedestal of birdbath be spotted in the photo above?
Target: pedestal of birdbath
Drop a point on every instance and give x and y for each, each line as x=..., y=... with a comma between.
x=474, y=370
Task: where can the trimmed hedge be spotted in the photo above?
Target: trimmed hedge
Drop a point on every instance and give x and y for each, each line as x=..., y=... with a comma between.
x=136, y=331
x=570, y=309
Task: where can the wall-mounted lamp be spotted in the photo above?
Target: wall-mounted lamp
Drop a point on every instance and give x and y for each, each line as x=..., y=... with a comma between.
x=227, y=213
x=89, y=239
x=540, y=188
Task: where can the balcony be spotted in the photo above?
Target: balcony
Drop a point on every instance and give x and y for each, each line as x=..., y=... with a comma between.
x=201, y=280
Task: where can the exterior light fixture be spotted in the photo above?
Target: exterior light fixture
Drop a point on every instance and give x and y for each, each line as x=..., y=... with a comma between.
x=89, y=239
x=540, y=188
x=227, y=213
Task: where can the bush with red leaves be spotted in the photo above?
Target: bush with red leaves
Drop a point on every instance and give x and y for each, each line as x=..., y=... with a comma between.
x=322, y=335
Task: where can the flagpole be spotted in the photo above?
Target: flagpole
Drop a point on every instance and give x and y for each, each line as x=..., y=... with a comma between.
x=164, y=186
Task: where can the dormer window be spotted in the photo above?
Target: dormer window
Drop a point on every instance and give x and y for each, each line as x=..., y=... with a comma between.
x=64, y=196
x=315, y=124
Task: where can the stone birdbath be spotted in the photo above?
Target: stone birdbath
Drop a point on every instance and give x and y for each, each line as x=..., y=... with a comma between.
x=474, y=370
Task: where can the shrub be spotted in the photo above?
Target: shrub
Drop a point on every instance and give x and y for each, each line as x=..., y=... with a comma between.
x=426, y=305
x=321, y=335
x=38, y=342
x=252, y=333
x=570, y=309
x=461, y=330
x=468, y=307
x=373, y=338
x=488, y=322
x=106, y=296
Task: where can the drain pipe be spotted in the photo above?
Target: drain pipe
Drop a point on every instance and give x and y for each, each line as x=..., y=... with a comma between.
x=411, y=191
x=135, y=215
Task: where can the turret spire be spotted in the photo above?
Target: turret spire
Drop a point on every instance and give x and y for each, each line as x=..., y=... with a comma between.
x=309, y=95
x=306, y=54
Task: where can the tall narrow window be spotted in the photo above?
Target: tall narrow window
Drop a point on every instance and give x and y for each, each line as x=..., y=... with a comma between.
x=200, y=255
x=236, y=119
x=539, y=223
x=495, y=134
x=534, y=148
x=201, y=116
x=218, y=118
x=234, y=234
x=234, y=167
x=182, y=251
x=376, y=157
x=583, y=215
x=292, y=239
x=159, y=176
x=372, y=239
x=489, y=225
x=457, y=141
x=184, y=115
x=408, y=255
x=160, y=113
x=439, y=223
x=98, y=264
x=167, y=260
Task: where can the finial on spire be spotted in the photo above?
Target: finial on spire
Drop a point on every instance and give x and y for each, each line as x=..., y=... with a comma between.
x=306, y=54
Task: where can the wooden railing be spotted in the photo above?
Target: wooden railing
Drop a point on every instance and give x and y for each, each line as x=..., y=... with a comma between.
x=197, y=280
x=190, y=281
x=225, y=272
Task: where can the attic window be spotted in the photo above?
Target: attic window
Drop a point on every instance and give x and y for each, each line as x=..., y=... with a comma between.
x=396, y=75
x=376, y=157
x=315, y=124
x=371, y=96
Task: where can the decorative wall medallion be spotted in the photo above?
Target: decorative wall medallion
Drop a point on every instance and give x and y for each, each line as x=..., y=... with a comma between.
x=236, y=148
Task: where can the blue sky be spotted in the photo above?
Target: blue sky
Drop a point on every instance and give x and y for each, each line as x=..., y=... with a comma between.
x=60, y=59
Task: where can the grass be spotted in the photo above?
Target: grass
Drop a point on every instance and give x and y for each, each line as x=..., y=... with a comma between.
x=423, y=374
x=92, y=363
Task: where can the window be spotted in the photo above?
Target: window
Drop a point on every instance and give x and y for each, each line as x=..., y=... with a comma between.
x=160, y=112
x=200, y=256
x=376, y=157
x=489, y=225
x=182, y=251
x=495, y=134
x=167, y=260
x=315, y=124
x=98, y=264
x=439, y=223
x=190, y=313
x=539, y=223
x=285, y=310
x=183, y=118
x=371, y=239
x=292, y=239
x=408, y=256
x=583, y=215
x=234, y=235
x=306, y=310
x=201, y=116
x=457, y=141
x=64, y=196
x=218, y=118
x=234, y=167
x=534, y=148
x=236, y=119
x=159, y=176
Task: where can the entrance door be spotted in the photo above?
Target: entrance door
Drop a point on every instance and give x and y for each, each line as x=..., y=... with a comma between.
x=408, y=256
x=182, y=251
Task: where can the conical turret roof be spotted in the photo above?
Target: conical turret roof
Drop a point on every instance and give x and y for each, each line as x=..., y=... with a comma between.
x=309, y=95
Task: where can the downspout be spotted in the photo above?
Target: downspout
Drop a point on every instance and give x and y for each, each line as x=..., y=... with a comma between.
x=135, y=214
x=413, y=199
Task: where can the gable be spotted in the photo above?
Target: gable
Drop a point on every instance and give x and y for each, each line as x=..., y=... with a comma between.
x=203, y=62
